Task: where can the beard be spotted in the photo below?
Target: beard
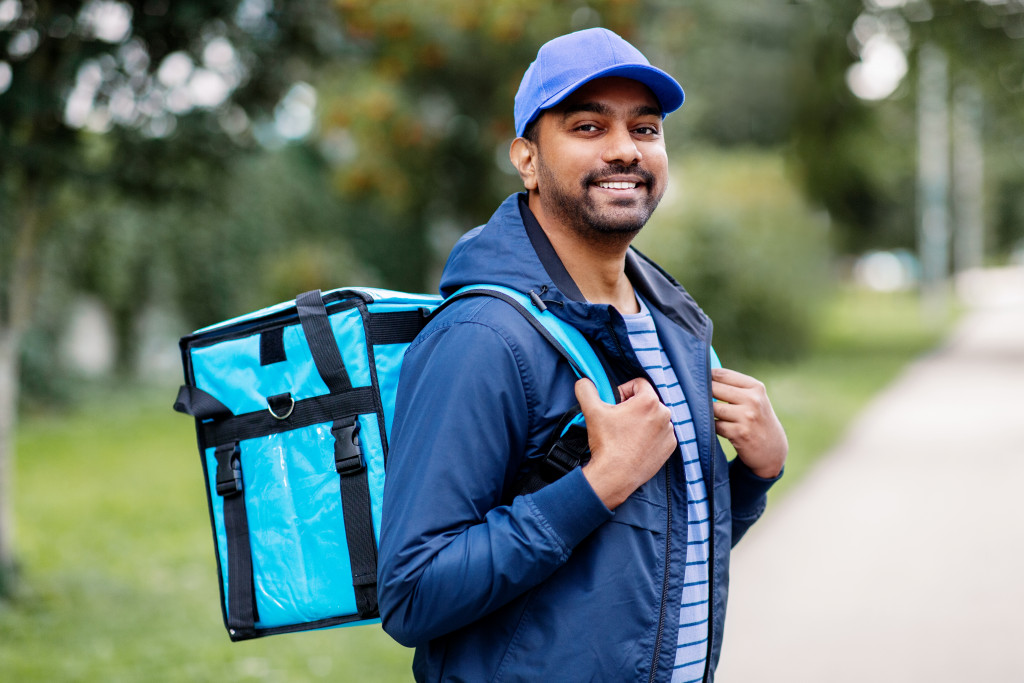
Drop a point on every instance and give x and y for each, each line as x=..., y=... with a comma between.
x=576, y=208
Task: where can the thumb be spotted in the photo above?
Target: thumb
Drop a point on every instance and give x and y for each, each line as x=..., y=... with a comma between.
x=586, y=394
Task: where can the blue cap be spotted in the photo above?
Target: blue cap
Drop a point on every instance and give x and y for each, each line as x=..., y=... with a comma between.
x=567, y=62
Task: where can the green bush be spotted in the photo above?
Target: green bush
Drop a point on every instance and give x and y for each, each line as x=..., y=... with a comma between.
x=738, y=235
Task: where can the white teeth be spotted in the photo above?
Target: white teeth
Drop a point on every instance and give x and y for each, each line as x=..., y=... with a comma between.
x=618, y=185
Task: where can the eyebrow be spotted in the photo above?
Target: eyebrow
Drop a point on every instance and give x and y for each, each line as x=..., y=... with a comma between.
x=605, y=110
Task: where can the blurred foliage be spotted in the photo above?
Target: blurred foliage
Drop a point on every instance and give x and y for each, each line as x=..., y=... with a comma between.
x=205, y=260
x=214, y=207
x=738, y=234
x=418, y=116
x=122, y=128
x=858, y=158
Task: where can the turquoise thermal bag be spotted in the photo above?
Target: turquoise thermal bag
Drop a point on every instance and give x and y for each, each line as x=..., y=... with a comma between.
x=293, y=406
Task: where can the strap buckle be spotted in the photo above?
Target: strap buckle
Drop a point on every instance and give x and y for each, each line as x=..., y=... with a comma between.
x=229, y=470
x=566, y=454
x=348, y=454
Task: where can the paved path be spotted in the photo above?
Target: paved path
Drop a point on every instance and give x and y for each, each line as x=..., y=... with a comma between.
x=900, y=557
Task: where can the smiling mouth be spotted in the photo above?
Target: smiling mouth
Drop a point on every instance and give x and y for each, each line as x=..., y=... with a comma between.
x=617, y=185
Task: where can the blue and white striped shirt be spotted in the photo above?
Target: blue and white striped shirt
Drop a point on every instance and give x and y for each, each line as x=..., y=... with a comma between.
x=692, y=642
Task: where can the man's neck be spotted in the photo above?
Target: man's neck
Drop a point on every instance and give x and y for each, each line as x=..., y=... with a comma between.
x=597, y=266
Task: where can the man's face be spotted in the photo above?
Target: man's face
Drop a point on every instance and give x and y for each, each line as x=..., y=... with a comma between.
x=601, y=161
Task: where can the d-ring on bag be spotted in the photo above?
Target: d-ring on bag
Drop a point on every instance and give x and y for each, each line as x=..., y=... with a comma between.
x=293, y=406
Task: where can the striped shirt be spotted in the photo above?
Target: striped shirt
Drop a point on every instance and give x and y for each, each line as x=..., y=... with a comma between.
x=692, y=642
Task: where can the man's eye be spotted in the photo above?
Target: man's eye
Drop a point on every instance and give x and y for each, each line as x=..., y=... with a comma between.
x=647, y=130
x=586, y=128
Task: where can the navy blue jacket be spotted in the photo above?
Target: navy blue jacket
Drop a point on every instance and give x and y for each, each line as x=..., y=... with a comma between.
x=488, y=585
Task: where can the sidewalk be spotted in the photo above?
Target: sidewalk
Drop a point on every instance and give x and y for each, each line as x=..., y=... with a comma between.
x=900, y=557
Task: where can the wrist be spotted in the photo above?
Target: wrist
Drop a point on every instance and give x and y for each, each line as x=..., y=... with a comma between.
x=604, y=486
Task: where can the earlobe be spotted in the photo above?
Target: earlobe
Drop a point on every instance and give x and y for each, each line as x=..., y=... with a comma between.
x=522, y=154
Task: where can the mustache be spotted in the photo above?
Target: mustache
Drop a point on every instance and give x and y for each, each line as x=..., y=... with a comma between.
x=619, y=169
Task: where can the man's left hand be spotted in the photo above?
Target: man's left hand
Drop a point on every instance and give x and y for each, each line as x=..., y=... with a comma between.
x=744, y=416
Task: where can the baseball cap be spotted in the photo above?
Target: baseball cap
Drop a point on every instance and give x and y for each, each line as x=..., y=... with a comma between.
x=565, y=63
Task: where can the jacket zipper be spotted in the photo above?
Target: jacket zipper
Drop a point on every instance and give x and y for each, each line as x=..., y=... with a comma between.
x=668, y=530
x=711, y=519
x=668, y=565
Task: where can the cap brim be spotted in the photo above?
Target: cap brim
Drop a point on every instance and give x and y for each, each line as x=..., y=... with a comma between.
x=669, y=93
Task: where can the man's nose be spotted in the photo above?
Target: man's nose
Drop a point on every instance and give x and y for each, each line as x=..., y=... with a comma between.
x=620, y=147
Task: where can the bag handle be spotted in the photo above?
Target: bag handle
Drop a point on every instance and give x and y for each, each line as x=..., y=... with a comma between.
x=317, y=328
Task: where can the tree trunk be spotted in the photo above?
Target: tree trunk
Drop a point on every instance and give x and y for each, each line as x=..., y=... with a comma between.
x=23, y=275
x=9, y=345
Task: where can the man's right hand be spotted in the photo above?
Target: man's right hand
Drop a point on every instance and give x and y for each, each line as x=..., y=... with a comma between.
x=629, y=441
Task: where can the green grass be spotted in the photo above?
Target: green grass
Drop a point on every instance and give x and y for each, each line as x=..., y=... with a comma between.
x=117, y=568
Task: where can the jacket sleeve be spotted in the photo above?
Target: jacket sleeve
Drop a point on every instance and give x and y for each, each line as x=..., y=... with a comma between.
x=749, y=495
x=450, y=552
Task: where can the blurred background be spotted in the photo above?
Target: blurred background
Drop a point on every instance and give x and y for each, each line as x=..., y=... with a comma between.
x=165, y=165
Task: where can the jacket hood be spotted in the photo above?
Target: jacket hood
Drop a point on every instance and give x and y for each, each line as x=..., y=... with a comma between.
x=497, y=253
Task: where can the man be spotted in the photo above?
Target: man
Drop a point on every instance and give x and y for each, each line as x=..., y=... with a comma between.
x=617, y=571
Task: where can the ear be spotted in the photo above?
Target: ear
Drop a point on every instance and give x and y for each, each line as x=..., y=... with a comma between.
x=523, y=155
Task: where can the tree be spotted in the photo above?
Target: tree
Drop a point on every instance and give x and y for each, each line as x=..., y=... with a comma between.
x=857, y=155
x=418, y=116
x=139, y=99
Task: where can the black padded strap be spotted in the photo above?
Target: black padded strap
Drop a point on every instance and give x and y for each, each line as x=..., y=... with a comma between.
x=241, y=611
x=355, y=504
x=317, y=328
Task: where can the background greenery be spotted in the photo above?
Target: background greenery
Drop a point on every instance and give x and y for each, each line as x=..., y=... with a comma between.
x=183, y=162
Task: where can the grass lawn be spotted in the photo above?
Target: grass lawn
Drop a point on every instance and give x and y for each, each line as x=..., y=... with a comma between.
x=116, y=555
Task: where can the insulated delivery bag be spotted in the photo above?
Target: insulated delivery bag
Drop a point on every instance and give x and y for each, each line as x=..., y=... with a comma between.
x=293, y=407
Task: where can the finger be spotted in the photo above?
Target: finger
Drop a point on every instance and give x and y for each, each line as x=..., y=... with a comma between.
x=587, y=395
x=729, y=393
x=636, y=387
x=733, y=378
x=728, y=412
x=728, y=430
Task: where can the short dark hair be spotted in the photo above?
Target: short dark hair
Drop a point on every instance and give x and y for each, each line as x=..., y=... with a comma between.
x=530, y=133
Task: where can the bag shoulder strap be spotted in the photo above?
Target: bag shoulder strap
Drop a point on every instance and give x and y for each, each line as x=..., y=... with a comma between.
x=566, y=339
x=570, y=446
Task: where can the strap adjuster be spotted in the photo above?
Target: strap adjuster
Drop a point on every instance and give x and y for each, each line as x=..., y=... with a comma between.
x=348, y=454
x=229, y=469
x=566, y=454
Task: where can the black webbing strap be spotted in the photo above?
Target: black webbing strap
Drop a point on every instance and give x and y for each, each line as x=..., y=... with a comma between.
x=355, y=504
x=272, y=346
x=242, y=614
x=395, y=327
x=306, y=412
x=194, y=401
x=317, y=328
x=348, y=456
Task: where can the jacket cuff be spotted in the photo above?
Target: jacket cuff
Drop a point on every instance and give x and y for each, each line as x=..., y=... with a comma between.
x=571, y=508
x=748, y=490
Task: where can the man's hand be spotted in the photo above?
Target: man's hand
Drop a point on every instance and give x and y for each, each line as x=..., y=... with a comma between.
x=744, y=416
x=629, y=441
